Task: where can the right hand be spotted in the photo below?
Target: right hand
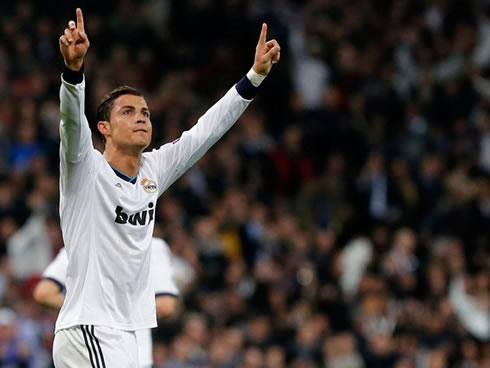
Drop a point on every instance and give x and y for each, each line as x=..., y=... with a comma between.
x=74, y=43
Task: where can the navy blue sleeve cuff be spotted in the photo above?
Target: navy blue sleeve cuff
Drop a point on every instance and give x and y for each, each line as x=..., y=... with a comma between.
x=246, y=89
x=60, y=284
x=72, y=76
x=176, y=296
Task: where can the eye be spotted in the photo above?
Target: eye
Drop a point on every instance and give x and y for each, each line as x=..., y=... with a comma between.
x=146, y=114
x=127, y=112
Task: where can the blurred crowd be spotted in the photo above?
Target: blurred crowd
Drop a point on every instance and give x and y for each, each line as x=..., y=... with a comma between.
x=342, y=223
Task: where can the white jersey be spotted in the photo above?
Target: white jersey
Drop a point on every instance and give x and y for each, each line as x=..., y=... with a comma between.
x=107, y=222
x=162, y=274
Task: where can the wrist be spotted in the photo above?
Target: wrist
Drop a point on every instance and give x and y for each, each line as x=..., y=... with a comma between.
x=255, y=78
x=74, y=66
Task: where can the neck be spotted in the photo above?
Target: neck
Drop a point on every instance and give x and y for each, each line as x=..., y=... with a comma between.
x=127, y=163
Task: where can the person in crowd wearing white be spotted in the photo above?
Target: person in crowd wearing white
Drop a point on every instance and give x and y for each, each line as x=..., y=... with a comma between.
x=50, y=291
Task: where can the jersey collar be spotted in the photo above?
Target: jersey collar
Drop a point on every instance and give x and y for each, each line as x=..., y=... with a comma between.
x=125, y=177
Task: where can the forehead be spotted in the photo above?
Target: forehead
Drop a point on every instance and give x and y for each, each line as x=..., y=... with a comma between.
x=130, y=100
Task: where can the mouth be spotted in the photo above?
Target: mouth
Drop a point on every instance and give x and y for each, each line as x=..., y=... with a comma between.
x=140, y=131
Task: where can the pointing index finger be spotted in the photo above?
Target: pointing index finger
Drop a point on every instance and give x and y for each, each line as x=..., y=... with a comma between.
x=263, y=34
x=80, y=24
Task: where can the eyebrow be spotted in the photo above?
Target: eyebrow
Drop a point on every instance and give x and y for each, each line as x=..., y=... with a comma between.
x=133, y=107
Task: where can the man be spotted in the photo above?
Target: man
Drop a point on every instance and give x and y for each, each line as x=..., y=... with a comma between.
x=107, y=204
x=50, y=291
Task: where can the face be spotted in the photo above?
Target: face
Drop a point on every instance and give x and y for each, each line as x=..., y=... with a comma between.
x=130, y=126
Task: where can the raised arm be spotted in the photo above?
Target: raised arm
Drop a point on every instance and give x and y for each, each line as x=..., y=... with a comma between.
x=174, y=159
x=74, y=129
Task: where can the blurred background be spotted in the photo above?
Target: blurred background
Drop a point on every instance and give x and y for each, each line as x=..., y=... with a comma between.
x=342, y=223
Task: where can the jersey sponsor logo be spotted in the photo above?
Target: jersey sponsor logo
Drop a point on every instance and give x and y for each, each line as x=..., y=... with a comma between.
x=140, y=218
x=149, y=186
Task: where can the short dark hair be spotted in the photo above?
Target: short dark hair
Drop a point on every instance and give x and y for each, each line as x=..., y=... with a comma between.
x=105, y=106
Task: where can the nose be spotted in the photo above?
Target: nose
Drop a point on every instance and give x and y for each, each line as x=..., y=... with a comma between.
x=141, y=119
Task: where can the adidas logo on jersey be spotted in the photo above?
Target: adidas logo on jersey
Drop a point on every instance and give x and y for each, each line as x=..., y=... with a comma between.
x=136, y=219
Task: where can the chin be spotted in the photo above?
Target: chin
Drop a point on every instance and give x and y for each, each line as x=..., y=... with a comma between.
x=143, y=141
x=143, y=145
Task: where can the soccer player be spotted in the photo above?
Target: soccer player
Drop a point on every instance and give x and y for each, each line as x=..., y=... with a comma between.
x=107, y=203
x=50, y=292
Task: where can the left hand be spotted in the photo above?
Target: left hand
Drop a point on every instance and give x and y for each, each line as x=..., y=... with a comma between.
x=266, y=53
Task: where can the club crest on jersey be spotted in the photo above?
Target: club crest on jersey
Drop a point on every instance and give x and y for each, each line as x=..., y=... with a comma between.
x=140, y=218
x=149, y=186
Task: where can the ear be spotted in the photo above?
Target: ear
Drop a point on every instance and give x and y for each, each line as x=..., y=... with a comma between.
x=104, y=128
